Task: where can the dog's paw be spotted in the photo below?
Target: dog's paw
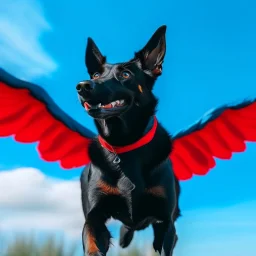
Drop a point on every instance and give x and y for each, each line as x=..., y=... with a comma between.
x=94, y=254
x=157, y=245
x=98, y=254
x=126, y=236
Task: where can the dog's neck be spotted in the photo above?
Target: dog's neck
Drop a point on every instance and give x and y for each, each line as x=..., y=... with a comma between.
x=118, y=132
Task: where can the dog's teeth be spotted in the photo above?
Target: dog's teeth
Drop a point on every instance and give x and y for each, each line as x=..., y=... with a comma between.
x=112, y=104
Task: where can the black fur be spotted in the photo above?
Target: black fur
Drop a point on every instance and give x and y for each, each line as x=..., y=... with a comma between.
x=141, y=190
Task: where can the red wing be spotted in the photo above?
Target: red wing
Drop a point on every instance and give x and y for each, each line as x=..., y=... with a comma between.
x=29, y=114
x=220, y=133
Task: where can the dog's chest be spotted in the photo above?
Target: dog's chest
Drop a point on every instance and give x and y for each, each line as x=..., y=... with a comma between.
x=132, y=197
x=137, y=202
x=137, y=209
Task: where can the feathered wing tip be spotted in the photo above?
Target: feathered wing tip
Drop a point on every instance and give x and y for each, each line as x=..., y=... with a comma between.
x=30, y=115
x=219, y=133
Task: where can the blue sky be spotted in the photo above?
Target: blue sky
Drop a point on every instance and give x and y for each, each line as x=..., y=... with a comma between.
x=210, y=61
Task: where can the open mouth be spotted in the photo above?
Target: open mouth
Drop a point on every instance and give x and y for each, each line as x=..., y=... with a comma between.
x=112, y=105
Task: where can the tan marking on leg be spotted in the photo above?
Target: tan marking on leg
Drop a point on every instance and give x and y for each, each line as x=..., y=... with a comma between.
x=156, y=191
x=108, y=189
x=91, y=242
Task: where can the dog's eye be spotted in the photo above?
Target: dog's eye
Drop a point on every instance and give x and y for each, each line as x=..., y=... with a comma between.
x=126, y=74
x=96, y=76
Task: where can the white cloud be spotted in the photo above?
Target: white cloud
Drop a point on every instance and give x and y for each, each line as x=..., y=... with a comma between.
x=31, y=201
x=22, y=23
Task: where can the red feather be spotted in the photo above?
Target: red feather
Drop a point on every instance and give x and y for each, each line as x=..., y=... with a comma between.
x=225, y=132
x=29, y=120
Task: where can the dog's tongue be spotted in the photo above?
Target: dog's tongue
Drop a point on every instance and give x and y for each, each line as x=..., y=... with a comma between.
x=86, y=106
x=107, y=106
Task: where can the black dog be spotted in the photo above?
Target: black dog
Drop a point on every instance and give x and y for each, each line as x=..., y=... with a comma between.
x=130, y=177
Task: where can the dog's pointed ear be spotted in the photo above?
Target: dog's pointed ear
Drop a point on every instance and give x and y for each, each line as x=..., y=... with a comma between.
x=152, y=55
x=93, y=57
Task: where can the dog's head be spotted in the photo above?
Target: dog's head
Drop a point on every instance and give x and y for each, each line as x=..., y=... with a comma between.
x=115, y=90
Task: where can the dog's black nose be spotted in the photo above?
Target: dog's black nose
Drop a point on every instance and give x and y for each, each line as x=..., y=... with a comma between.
x=85, y=86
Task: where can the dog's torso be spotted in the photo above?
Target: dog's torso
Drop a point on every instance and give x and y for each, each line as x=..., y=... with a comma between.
x=137, y=191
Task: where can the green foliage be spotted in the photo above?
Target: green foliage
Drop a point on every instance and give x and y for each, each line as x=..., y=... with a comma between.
x=136, y=252
x=28, y=246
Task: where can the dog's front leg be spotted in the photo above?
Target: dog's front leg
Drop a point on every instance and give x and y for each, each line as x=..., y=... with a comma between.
x=165, y=238
x=96, y=237
x=170, y=239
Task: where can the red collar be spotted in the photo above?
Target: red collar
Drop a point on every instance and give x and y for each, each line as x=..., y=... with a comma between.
x=139, y=143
